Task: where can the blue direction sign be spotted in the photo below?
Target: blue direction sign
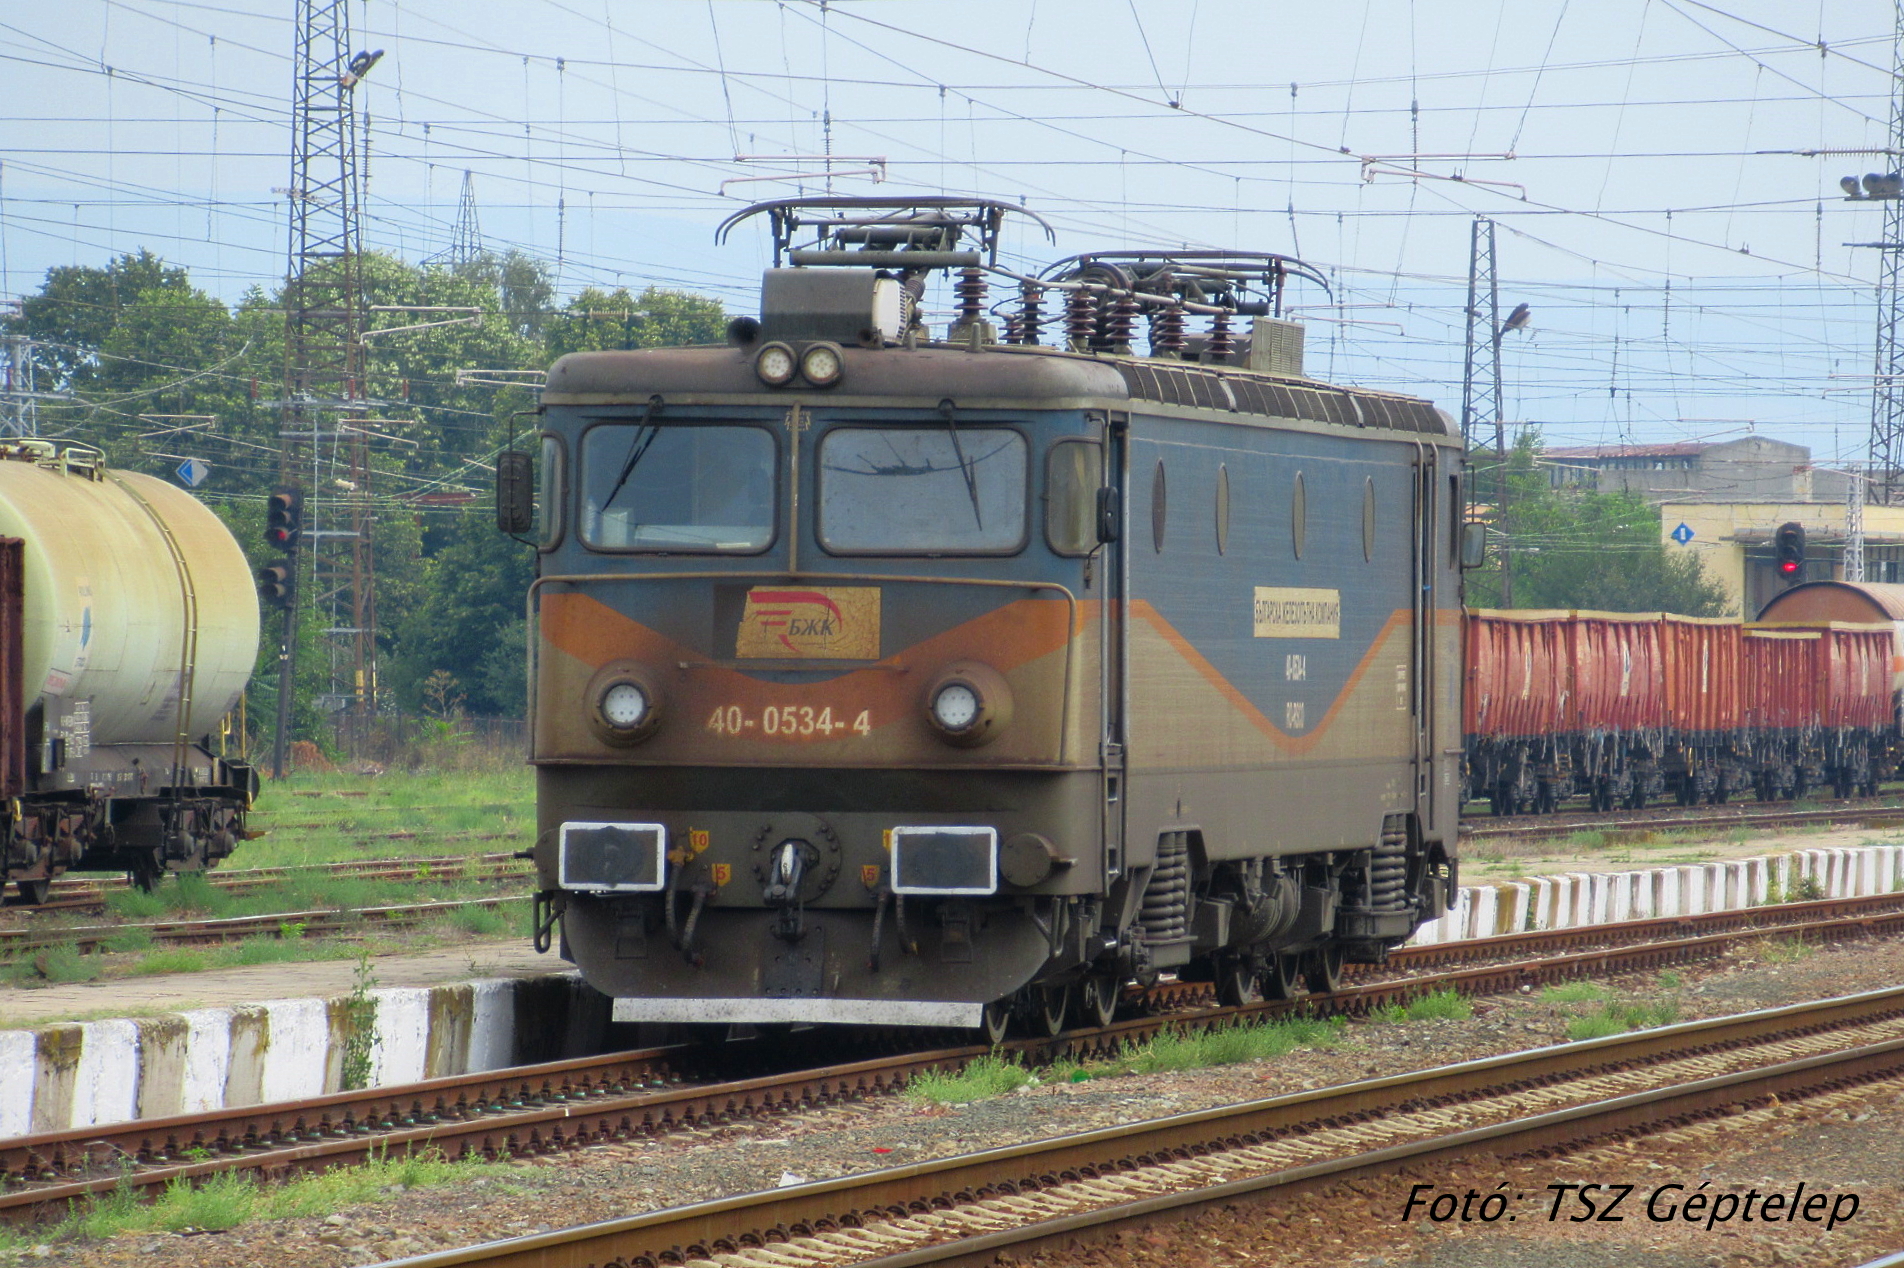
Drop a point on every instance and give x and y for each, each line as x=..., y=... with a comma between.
x=1682, y=534
x=192, y=472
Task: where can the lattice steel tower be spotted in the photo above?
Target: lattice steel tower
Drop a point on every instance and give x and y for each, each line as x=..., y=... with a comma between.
x=324, y=447
x=1482, y=397
x=1887, y=387
x=466, y=240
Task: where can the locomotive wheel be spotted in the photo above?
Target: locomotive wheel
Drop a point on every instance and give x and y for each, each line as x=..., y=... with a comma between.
x=1322, y=969
x=1050, y=1005
x=1236, y=982
x=1097, y=999
x=33, y=893
x=1278, y=978
x=995, y=1021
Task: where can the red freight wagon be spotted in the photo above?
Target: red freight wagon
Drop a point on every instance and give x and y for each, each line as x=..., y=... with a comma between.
x=1780, y=678
x=1619, y=682
x=1519, y=673
x=1700, y=659
x=1857, y=676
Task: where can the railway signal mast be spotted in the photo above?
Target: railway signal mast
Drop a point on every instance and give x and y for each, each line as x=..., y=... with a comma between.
x=324, y=449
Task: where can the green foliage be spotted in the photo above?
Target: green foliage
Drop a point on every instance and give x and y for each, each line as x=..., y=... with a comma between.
x=137, y=346
x=988, y=1076
x=1230, y=1045
x=1575, y=992
x=360, y=1028
x=1573, y=548
x=1445, y=1004
x=1618, y=1018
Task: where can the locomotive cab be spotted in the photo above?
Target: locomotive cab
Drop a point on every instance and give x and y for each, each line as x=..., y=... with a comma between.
x=859, y=698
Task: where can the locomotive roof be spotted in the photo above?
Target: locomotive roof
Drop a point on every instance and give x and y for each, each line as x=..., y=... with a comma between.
x=1000, y=374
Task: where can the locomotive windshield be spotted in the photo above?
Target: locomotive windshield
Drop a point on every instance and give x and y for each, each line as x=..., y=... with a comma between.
x=668, y=487
x=922, y=490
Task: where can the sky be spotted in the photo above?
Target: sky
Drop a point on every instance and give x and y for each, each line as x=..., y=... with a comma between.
x=1653, y=168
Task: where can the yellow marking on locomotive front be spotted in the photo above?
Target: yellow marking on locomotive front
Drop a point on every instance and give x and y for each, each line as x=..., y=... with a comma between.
x=789, y=721
x=698, y=840
x=869, y=875
x=723, y=873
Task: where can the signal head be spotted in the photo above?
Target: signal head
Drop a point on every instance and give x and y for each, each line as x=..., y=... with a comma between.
x=275, y=585
x=284, y=518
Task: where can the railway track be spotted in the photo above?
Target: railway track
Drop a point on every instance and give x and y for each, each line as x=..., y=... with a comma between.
x=75, y=894
x=312, y=923
x=970, y=1208
x=1886, y=814
x=568, y=1104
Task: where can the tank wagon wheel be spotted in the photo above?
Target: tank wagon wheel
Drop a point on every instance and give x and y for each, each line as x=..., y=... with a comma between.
x=1322, y=969
x=1097, y=999
x=1278, y=977
x=995, y=1021
x=1236, y=981
x=1050, y=1006
x=33, y=893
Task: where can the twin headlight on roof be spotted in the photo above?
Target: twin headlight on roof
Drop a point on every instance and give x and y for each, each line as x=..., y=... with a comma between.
x=967, y=704
x=820, y=364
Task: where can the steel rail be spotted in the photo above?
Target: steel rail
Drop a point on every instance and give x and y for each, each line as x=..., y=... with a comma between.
x=1679, y=819
x=279, y=924
x=1105, y=1159
x=584, y=1100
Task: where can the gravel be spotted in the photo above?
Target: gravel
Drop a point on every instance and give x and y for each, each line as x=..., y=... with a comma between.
x=1352, y=1225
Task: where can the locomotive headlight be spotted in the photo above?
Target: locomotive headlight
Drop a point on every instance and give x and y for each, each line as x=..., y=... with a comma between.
x=624, y=704
x=968, y=704
x=820, y=365
x=955, y=707
x=775, y=364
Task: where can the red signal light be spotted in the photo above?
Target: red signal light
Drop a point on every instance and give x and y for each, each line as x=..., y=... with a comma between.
x=1788, y=566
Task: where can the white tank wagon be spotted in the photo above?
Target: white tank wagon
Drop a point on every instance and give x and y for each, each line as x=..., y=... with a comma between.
x=128, y=629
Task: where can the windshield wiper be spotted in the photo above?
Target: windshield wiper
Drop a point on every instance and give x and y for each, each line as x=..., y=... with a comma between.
x=646, y=431
x=949, y=410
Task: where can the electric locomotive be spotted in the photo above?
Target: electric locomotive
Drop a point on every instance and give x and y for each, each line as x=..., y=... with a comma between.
x=885, y=679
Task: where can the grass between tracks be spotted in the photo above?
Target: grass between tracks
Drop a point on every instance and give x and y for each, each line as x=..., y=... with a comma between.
x=229, y=1199
x=324, y=818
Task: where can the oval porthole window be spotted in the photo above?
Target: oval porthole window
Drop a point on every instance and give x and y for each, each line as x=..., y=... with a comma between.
x=1298, y=515
x=1157, y=508
x=1222, y=509
x=1368, y=519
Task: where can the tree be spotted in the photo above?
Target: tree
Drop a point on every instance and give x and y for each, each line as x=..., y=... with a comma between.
x=1573, y=548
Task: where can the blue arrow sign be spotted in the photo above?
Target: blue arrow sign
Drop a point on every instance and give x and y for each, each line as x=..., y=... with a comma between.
x=1682, y=534
x=192, y=472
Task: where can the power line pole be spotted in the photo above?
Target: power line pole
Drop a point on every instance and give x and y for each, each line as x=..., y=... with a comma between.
x=1481, y=392
x=1887, y=389
x=19, y=402
x=466, y=240
x=323, y=448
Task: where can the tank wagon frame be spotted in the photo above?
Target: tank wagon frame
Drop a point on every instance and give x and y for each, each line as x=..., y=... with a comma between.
x=128, y=627
x=884, y=680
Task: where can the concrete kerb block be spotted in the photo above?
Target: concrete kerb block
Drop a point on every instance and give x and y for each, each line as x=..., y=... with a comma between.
x=106, y=1080
x=1738, y=884
x=1542, y=902
x=400, y=1053
x=1481, y=911
x=1692, y=889
x=1620, y=895
x=1867, y=870
x=19, y=1055
x=1669, y=892
x=1519, y=898
x=207, y=1059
